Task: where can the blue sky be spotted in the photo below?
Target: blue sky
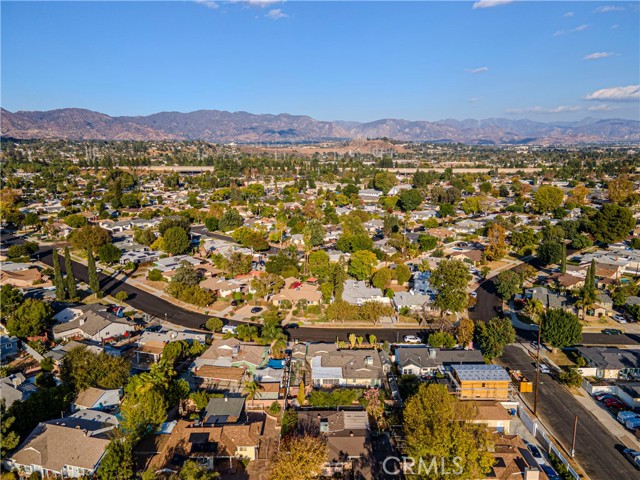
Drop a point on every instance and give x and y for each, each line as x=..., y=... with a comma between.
x=330, y=60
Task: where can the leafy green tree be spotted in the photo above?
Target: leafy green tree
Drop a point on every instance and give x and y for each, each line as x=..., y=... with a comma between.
x=230, y=220
x=117, y=463
x=402, y=274
x=122, y=296
x=30, y=318
x=109, y=253
x=427, y=242
x=450, y=280
x=508, y=284
x=548, y=198
x=58, y=279
x=410, y=199
x=523, y=238
x=550, y=252
x=192, y=470
x=381, y=278
x=81, y=369
x=211, y=223
x=497, y=244
x=247, y=333
x=187, y=275
x=176, y=241
x=155, y=275
x=464, y=331
x=494, y=335
x=72, y=288
x=173, y=222
x=439, y=427
x=10, y=300
x=8, y=438
x=441, y=340
x=612, y=223
x=141, y=410
x=281, y=262
x=561, y=328
x=299, y=458
x=214, y=324
x=384, y=181
x=361, y=264
x=319, y=264
x=145, y=237
x=570, y=377
x=314, y=233
x=349, y=242
x=75, y=221
x=94, y=281
x=580, y=242
x=89, y=236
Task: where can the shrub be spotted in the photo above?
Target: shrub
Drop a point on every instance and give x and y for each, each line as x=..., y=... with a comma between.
x=274, y=408
x=122, y=296
x=155, y=275
x=570, y=377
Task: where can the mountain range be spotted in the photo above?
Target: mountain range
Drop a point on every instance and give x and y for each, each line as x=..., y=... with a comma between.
x=243, y=127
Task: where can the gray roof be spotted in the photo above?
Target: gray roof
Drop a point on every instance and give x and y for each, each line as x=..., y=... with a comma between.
x=406, y=299
x=426, y=357
x=94, y=318
x=611, y=358
x=223, y=410
x=481, y=372
x=548, y=298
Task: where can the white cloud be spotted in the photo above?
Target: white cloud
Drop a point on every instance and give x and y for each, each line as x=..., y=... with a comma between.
x=568, y=14
x=276, y=14
x=537, y=109
x=608, y=8
x=629, y=93
x=475, y=99
x=490, y=3
x=477, y=70
x=598, y=55
x=208, y=3
x=258, y=3
x=557, y=33
x=600, y=108
x=579, y=28
x=614, y=26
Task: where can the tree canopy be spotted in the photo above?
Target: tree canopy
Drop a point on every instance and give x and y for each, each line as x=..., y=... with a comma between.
x=450, y=279
x=561, y=328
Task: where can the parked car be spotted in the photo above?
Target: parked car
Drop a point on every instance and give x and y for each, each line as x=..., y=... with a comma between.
x=234, y=303
x=619, y=319
x=632, y=455
x=551, y=473
x=544, y=368
x=256, y=309
x=229, y=329
x=625, y=415
x=613, y=403
x=612, y=331
x=632, y=423
x=536, y=454
x=600, y=396
x=411, y=339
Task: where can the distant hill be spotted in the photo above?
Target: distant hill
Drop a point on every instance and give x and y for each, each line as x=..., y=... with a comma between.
x=243, y=127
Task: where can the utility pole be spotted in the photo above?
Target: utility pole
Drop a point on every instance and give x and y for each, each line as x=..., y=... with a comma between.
x=573, y=442
x=535, y=389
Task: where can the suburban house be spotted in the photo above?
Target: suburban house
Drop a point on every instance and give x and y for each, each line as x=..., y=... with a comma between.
x=370, y=195
x=422, y=360
x=96, y=399
x=20, y=278
x=357, y=292
x=228, y=379
x=15, y=387
x=330, y=366
x=611, y=362
x=295, y=292
x=348, y=440
x=480, y=382
x=548, y=298
x=9, y=347
x=231, y=352
x=68, y=447
x=494, y=416
x=422, y=283
x=411, y=300
x=94, y=322
x=225, y=410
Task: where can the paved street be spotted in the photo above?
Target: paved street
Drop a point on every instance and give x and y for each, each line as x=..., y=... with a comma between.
x=595, y=446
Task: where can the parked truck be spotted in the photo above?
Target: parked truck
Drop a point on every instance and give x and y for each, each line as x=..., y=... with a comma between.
x=523, y=383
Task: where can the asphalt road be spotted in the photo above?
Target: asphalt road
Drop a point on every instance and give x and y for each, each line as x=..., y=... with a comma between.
x=158, y=307
x=595, y=446
x=486, y=302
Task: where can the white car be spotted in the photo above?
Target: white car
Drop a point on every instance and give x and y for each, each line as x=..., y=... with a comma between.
x=411, y=339
x=619, y=319
x=474, y=294
x=229, y=329
x=544, y=368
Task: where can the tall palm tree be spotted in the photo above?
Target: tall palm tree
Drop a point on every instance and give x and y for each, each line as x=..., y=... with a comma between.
x=279, y=345
x=535, y=309
x=588, y=297
x=252, y=388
